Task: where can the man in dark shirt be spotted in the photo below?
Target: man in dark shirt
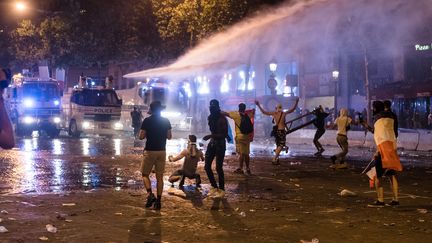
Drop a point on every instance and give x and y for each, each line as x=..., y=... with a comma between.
x=157, y=130
x=387, y=107
x=136, y=120
x=218, y=125
x=319, y=122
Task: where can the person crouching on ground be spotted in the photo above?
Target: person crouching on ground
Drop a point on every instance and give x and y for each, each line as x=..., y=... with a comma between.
x=387, y=162
x=218, y=125
x=319, y=122
x=279, y=120
x=343, y=123
x=156, y=129
x=244, y=134
x=192, y=155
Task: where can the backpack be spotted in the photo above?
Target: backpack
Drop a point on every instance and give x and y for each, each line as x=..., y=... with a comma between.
x=246, y=126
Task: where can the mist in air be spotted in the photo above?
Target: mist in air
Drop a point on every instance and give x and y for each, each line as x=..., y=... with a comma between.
x=318, y=27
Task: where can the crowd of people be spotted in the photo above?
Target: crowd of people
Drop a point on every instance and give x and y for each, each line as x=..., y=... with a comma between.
x=157, y=130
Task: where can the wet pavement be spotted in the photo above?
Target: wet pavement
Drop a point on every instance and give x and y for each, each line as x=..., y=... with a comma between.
x=93, y=182
x=43, y=165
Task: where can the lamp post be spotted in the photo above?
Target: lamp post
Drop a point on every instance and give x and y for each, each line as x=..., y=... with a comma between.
x=272, y=83
x=335, y=75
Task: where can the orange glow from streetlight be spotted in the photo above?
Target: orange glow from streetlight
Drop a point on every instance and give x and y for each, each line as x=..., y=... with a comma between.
x=20, y=6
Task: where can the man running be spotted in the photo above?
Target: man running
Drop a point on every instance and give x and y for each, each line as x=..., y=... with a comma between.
x=279, y=120
x=319, y=122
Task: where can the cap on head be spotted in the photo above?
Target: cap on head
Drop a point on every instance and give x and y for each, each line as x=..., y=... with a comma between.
x=192, y=138
x=279, y=106
x=214, y=103
x=242, y=107
x=156, y=106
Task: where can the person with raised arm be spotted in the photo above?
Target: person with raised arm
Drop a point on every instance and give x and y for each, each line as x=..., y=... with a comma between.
x=279, y=127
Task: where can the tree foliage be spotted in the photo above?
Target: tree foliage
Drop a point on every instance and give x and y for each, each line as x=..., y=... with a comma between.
x=93, y=33
x=189, y=21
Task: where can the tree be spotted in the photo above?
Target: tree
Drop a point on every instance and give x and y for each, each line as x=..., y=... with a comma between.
x=26, y=44
x=186, y=22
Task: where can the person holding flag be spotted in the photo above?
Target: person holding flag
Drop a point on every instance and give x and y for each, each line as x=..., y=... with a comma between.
x=387, y=162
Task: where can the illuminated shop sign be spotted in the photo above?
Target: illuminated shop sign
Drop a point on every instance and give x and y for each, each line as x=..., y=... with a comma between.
x=419, y=47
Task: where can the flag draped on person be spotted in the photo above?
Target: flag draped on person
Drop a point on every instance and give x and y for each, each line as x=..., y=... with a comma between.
x=386, y=142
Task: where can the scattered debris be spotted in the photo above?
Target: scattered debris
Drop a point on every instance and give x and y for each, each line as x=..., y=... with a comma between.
x=420, y=210
x=68, y=204
x=118, y=214
x=68, y=220
x=131, y=182
x=347, y=193
x=43, y=238
x=211, y=226
x=61, y=216
x=28, y=204
x=50, y=228
x=3, y=229
x=293, y=220
x=243, y=214
x=421, y=220
x=296, y=163
x=314, y=240
x=12, y=219
x=4, y=212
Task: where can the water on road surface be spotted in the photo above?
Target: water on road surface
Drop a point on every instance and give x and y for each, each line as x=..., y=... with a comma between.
x=42, y=165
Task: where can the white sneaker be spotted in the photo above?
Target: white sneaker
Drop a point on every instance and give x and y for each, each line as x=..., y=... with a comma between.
x=212, y=192
x=219, y=194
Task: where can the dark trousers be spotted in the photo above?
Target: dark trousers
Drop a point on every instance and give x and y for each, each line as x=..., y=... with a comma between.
x=215, y=149
x=318, y=135
x=136, y=130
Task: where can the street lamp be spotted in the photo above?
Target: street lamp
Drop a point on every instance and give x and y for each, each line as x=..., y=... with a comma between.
x=21, y=6
x=272, y=83
x=335, y=75
x=273, y=67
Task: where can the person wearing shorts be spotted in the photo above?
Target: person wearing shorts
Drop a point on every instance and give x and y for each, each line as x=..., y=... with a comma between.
x=242, y=140
x=387, y=161
x=156, y=129
x=279, y=120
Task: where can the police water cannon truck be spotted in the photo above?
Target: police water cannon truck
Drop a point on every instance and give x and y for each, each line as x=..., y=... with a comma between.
x=93, y=109
x=35, y=105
